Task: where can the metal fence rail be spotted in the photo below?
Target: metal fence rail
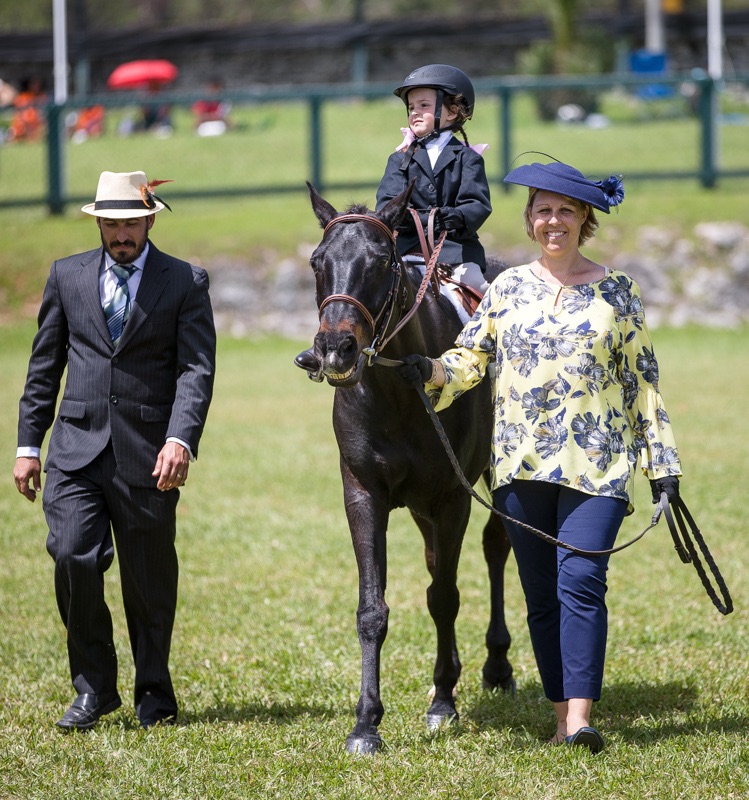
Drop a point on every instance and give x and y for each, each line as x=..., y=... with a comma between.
x=707, y=92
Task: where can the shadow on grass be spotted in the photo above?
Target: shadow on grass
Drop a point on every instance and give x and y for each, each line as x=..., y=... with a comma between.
x=638, y=712
x=278, y=713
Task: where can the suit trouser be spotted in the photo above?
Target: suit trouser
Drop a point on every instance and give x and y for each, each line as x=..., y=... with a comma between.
x=564, y=593
x=83, y=510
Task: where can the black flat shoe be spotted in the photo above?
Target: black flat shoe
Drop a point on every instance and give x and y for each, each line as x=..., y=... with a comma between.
x=586, y=737
x=87, y=709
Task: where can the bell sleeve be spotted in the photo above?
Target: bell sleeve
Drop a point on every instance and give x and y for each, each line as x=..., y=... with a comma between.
x=653, y=441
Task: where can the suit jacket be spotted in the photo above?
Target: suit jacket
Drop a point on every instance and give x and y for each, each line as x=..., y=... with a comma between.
x=156, y=383
x=458, y=181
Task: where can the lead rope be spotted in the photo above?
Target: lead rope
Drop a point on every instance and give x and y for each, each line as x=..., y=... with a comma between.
x=535, y=531
x=686, y=550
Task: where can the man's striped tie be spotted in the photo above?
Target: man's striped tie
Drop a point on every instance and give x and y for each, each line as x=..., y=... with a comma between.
x=117, y=309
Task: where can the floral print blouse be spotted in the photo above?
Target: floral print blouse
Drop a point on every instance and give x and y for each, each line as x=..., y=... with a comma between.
x=576, y=398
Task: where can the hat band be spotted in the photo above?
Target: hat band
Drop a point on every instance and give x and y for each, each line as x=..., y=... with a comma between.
x=102, y=205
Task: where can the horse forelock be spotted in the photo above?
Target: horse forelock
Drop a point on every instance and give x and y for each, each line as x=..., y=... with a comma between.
x=359, y=208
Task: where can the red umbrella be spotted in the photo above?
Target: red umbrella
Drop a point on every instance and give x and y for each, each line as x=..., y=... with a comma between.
x=143, y=73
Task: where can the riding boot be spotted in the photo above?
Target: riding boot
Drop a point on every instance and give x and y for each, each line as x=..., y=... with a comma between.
x=307, y=360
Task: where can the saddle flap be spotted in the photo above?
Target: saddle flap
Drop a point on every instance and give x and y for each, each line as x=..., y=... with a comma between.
x=468, y=296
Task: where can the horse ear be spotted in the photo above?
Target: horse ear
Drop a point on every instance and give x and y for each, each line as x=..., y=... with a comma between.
x=392, y=214
x=322, y=208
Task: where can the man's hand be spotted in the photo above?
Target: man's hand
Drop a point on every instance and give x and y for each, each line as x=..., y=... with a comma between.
x=27, y=473
x=171, y=466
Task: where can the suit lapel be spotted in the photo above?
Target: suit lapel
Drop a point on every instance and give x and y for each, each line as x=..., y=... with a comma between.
x=421, y=157
x=155, y=277
x=447, y=156
x=88, y=286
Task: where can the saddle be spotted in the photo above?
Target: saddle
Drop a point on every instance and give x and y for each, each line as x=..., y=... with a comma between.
x=468, y=297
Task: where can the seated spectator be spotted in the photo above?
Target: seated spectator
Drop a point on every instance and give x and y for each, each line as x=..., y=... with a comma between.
x=211, y=113
x=7, y=93
x=27, y=124
x=154, y=116
x=89, y=124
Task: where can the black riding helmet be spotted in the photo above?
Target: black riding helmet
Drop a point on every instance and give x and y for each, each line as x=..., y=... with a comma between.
x=446, y=80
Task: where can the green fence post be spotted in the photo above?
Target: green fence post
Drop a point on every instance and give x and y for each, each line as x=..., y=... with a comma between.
x=315, y=108
x=709, y=125
x=505, y=125
x=55, y=158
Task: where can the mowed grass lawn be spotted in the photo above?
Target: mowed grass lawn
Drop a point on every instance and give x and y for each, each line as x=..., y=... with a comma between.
x=265, y=656
x=266, y=660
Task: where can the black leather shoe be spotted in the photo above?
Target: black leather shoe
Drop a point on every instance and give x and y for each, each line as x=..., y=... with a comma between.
x=86, y=710
x=153, y=722
x=307, y=360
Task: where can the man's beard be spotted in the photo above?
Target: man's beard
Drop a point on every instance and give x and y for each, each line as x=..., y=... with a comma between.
x=110, y=251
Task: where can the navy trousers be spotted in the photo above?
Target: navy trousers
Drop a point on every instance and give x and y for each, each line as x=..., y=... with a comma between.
x=564, y=593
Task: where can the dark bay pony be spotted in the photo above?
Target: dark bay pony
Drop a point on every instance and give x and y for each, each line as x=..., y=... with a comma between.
x=390, y=454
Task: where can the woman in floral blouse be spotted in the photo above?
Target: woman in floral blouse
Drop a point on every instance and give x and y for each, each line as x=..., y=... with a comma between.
x=576, y=406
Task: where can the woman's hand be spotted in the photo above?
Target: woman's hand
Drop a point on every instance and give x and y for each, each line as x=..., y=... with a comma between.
x=669, y=485
x=415, y=370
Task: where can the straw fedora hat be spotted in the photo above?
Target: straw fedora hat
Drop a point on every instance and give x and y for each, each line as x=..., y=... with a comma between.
x=122, y=195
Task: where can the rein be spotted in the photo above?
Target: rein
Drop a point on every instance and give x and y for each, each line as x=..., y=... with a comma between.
x=685, y=549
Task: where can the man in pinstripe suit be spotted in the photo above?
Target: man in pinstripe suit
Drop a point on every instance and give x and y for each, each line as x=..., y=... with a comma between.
x=128, y=426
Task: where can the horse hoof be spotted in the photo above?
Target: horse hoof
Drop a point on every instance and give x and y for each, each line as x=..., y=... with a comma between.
x=363, y=745
x=439, y=715
x=508, y=686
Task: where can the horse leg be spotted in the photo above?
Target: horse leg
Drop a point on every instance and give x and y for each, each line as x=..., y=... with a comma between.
x=367, y=520
x=497, y=670
x=443, y=539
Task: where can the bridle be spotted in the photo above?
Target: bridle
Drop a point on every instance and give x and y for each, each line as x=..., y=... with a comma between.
x=380, y=323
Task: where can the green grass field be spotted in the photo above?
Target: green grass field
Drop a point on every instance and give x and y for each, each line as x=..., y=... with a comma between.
x=266, y=659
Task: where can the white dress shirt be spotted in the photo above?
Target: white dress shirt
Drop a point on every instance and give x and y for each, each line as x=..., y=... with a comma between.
x=435, y=146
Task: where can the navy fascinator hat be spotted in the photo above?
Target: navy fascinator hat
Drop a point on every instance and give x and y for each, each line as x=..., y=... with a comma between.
x=562, y=179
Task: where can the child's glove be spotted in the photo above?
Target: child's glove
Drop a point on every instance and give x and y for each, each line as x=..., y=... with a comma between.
x=448, y=219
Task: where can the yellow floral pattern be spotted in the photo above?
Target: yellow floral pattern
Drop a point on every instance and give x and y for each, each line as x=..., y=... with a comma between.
x=576, y=383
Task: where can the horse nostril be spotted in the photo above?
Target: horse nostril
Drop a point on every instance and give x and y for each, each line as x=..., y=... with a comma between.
x=347, y=348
